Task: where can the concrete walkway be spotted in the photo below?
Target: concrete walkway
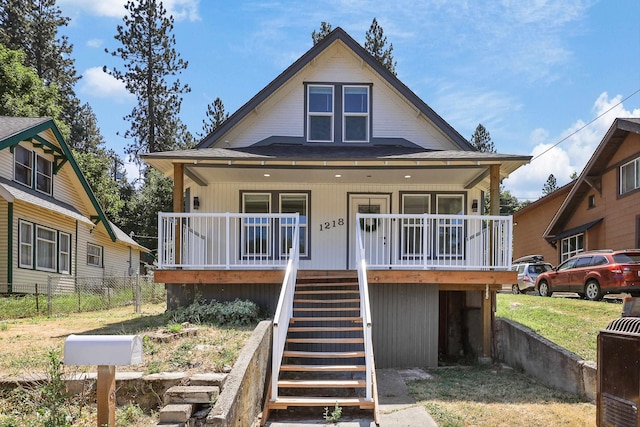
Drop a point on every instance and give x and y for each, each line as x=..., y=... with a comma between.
x=396, y=406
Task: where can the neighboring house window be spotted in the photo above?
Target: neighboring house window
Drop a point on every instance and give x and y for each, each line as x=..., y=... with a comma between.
x=258, y=234
x=23, y=166
x=320, y=113
x=355, y=115
x=46, y=248
x=23, y=170
x=44, y=173
x=630, y=176
x=450, y=231
x=94, y=255
x=26, y=244
x=571, y=246
x=413, y=231
x=64, y=253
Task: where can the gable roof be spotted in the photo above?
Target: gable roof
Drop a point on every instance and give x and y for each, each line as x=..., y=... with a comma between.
x=16, y=129
x=590, y=176
x=309, y=56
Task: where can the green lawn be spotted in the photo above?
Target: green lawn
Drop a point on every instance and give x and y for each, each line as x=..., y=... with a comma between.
x=571, y=323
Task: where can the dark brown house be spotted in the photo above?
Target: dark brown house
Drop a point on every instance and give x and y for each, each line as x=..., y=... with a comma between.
x=599, y=210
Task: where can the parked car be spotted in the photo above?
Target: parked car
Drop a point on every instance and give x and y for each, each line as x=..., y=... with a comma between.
x=528, y=268
x=594, y=274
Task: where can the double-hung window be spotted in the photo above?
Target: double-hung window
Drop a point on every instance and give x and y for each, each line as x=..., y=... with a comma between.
x=64, y=253
x=26, y=244
x=43, y=248
x=44, y=174
x=355, y=115
x=22, y=166
x=46, y=248
x=320, y=113
x=94, y=255
x=630, y=176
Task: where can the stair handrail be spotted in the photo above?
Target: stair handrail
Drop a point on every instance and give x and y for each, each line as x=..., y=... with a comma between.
x=365, y=310
x=284, y=310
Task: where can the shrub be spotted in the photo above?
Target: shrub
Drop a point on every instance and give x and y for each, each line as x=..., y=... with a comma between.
x=232, y=313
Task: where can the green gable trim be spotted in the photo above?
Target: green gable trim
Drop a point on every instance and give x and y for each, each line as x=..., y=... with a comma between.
x=59, y=159
x=10, y=247
x=64, y=156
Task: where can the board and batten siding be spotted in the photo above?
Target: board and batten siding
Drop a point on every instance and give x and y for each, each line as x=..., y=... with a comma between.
x=405, y=324
x=283, y=113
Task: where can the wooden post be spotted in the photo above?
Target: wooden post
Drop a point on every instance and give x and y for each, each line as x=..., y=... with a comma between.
x=106, y=395
x=178, y=206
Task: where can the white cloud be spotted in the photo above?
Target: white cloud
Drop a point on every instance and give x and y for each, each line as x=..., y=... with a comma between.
x=95, y=43
x=179, y=9
x=579, y=142
x=96, y=82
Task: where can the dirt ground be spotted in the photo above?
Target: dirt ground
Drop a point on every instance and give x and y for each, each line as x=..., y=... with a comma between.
x=26, y=343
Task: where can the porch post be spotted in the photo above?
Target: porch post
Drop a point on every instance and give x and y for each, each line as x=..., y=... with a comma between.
x=178, y=206
x=489, y=296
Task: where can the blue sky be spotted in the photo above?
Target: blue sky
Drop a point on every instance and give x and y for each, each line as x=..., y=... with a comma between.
x=531, y=71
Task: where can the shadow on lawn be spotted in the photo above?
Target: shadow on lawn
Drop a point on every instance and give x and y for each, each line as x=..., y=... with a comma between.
x=130, y=326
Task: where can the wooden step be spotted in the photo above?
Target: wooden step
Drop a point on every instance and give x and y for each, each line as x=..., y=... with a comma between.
x=327, y=340
x=327, y=292
x=319, y=284
x=326, y=319
x=324, y=328
x=322, y=383
x=325, y=309
x=323, y=368
x=285, y=402
x=326, y=301
x=323, y=354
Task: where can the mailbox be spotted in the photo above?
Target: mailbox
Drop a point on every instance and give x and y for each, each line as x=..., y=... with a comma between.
x=109, y=350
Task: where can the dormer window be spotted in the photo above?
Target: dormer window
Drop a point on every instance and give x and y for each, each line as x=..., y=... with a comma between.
x=356, y=114
x=320, y=113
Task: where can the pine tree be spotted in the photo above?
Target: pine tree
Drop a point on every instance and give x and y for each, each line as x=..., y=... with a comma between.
x=325, y=29
x=215, y=117
x=550, y=186
x=375, y=44
x=151, y=65
x=481, y=140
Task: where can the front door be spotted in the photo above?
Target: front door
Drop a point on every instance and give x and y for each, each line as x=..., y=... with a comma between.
x=376, y=238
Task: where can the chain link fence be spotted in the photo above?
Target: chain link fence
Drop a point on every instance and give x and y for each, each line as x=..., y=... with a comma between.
x=69, y=294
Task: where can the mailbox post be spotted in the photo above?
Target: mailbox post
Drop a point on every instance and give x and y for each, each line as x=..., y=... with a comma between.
x=105, y=351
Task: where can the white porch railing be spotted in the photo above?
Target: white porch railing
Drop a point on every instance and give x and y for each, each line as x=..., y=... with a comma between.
x=460, y=242
x=225, y=240
x=284, y=310
x=365, y=312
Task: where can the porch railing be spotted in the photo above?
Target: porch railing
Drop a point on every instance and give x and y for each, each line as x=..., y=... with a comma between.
x=365, y=312
x=284, y=310
x=461, y=242
x=224, y=240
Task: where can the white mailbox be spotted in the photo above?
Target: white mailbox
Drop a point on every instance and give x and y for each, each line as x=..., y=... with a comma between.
x=103, y=350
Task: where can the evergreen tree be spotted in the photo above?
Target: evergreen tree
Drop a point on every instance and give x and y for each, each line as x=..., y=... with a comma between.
x=151, y=65
x=215, y=117
x=481, y=140
x=375, y=44
x=325, y=29
x=550, y=186
x=574, y=175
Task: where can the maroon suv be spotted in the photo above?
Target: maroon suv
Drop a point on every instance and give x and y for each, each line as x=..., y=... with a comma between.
x=593, y=274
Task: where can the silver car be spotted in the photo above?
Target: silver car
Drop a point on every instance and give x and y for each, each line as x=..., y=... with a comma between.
x=528, y=269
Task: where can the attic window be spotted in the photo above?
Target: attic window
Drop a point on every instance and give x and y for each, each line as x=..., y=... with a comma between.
x=630, y=176
x=320, y=113
x=356, y=114
x=22, y=166
x=592, y=201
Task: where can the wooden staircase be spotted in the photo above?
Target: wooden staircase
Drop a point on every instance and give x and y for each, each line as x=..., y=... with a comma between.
x=324, y=357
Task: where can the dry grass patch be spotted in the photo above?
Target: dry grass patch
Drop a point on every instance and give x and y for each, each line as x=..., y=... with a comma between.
x=463, y=396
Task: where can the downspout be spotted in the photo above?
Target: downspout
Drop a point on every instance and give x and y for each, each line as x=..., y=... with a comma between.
x=10, y=247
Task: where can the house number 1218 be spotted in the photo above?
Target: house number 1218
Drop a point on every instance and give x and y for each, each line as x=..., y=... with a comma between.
x=327, y=225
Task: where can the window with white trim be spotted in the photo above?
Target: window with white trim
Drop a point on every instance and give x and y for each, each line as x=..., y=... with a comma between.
x=25, y=232
x=46, y=248
x=256, y=231
x=64, y=253
x=630, y=176
x=571, y=246
x=293, y=203
x=44, y=174
x=94, y=255
x=450, y=230
x=355, y=114
x=23, y=166
x=320, y=113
